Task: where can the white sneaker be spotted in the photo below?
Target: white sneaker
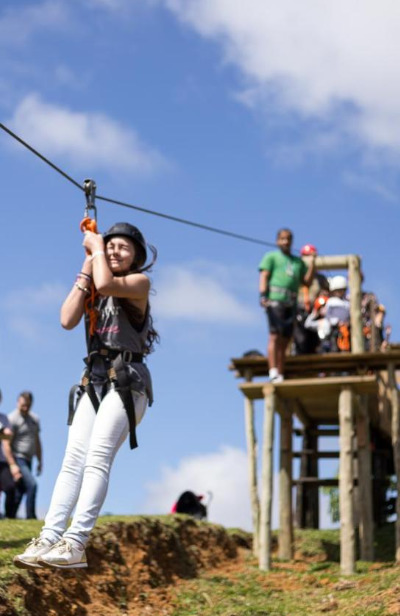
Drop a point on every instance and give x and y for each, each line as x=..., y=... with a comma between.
x=35, y=548
x=277, y=379
x=64, y=555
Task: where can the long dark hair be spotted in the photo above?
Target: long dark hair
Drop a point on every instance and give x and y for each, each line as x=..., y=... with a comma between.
x=134, y=314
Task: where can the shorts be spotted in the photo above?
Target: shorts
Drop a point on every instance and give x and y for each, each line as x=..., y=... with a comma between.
x=281, y=318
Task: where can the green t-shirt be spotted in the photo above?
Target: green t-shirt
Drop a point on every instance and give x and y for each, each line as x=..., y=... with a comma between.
x=286, y=275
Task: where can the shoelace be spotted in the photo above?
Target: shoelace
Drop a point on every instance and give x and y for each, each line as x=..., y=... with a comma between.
x=35, y=542
x=63, y=546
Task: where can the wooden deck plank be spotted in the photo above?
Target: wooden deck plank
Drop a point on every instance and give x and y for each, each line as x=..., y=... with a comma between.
x=314, y=364
x=313, y=391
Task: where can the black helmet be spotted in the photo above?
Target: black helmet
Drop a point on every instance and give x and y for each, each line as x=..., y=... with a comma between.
x=127, y=230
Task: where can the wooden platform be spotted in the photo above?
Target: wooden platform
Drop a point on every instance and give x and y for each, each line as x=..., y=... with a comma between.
x=312, y=400
x=314, y=364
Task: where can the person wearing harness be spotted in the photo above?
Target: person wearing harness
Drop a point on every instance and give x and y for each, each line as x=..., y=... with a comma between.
x=281, y=275
x=112, y=396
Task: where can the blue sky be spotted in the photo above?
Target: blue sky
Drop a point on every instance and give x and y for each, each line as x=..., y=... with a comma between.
x=245, y=116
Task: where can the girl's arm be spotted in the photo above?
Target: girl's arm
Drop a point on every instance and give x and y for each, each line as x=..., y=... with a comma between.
x=132, y=286
x=73, y=306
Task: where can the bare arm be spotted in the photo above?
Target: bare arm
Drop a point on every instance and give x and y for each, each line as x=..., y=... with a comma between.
x=9, y=456
x=132, y=286
x=39, y=454
x=73, y=306
x=309, y=275
x=5, y=433
x=263, y=286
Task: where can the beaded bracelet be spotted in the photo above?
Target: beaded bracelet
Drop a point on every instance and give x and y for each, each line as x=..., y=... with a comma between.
x=83, y=275
x=78, y=286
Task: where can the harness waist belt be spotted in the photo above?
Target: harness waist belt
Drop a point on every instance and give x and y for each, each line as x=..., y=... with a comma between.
x=127, y=356
x=290, y=295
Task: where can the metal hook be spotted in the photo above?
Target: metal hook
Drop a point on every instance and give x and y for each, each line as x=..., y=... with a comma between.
x=89, y=186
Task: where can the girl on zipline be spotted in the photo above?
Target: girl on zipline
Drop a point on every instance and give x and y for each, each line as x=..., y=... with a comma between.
x=113, y=395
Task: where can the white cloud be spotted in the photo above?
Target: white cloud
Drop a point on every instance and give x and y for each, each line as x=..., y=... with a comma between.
x=187, y=292
x=224, y=473
x=90, y=139
x=333, y=62
x=18, y=24
x=366, y=183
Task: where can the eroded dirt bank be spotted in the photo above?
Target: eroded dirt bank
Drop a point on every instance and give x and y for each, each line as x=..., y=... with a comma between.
x=131, y=570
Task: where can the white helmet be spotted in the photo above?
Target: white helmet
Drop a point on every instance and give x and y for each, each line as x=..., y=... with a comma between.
x=337, y=283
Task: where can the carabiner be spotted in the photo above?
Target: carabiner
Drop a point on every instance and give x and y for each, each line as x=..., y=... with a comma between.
x=89, y=186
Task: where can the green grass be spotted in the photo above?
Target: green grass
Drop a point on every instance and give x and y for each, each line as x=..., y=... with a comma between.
x=311, y=584
x=288, y=593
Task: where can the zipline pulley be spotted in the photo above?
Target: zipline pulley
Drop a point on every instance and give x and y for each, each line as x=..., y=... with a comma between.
x=89, y=222
x=89, y=186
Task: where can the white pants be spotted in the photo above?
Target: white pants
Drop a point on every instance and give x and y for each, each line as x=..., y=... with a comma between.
x=94, y=439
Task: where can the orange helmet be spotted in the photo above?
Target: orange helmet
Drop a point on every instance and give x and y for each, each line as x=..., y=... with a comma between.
x=307, y=250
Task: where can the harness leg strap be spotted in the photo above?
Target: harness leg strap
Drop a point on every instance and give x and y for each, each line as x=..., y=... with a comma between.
x=75, y=394
x=124, y=390
x=91, y=392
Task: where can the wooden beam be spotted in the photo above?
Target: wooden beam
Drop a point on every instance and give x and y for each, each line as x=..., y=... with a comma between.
x=366, y=523
x=316, y=481
x=357, y=339
x=252, y=470
x=285, y=487
x=310, y=388
x=316, y=454
x=346, y=483
x=332, y=262
x=318, y=431
x=267, y=478
x=313, y=364
x=301, y=413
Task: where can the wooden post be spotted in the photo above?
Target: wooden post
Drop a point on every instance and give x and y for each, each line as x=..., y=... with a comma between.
x=312, y=506
x=394, y=393
x=366, y=523
x=347, y=531
x=307, y=496
x=267, y=478
x=252, y=469
x=285, y=487
x=357, y=340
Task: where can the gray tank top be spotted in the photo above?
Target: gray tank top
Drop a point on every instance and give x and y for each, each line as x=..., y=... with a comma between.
x=115, y=331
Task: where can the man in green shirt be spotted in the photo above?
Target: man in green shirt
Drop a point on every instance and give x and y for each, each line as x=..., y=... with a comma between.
x=281, y=275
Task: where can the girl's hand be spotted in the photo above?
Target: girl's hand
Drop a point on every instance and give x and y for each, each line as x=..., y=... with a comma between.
x=93, y=241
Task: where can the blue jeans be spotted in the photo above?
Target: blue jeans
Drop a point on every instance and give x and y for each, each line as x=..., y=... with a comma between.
x=27, y=486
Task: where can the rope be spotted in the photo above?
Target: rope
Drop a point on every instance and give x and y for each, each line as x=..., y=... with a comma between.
x=89, y=224
x=184, y=221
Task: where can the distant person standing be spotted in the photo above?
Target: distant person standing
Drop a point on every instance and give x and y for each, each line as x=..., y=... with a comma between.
x=281, y=275
x=9, y=471
x=25, y=445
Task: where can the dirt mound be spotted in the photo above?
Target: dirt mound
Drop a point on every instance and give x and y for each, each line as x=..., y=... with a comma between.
x=131, y=567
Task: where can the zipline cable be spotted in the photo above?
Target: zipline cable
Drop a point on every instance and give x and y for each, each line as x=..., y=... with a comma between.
x=130, y=205
x=187, y=222
x=46, y=160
